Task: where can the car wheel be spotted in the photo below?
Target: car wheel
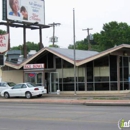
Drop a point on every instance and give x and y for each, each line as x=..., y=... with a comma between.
x=28, y=95
x=6, y=95
x=39, y=95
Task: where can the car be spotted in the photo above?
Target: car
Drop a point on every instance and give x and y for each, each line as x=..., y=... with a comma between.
x=42, y=87
x=22, y=90
x=6, y=85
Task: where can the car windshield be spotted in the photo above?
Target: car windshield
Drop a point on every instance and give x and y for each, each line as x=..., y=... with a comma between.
x=11, y=84
x=30, y=85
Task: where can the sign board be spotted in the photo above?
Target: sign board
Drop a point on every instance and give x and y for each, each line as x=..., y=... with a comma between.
x=34, y=66
x=4, y=43
x=1, y=60
x=32, y=11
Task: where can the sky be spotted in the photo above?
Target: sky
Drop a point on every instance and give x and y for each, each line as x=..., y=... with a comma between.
x=88, y=14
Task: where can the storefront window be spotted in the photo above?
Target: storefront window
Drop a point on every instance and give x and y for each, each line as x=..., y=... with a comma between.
x=101, y=86
x=35, y=78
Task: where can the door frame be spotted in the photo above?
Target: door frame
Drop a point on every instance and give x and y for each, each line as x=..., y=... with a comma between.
x=55, y=82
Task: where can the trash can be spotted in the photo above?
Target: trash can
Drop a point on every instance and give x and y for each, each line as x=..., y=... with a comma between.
x=58, y=92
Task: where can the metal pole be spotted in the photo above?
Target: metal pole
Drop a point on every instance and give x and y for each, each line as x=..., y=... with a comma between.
x=8, y=31
x=24, y=42
x=53, y=34
x=40, y=34
x=74, y=52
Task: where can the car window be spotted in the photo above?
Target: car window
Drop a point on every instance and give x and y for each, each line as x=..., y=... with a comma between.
x=24, y=86
x=17, y=86
x=30, y=85
x=3, y=84
x=11, y=84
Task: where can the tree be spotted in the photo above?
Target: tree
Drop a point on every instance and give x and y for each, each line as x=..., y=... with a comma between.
x=30, y=46
x=56, y=46
x=80, y=45
x=2, y=32
x=113, y=33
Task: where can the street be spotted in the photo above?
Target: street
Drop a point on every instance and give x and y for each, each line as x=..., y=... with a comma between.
x=40, y=116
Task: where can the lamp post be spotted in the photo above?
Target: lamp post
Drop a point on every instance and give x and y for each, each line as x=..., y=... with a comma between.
x=74, y=52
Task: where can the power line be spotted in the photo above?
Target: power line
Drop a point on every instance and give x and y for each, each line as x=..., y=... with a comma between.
x=53, y=25
x=89, y=46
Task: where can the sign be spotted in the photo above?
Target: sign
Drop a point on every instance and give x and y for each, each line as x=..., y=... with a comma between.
x=34, y=66
x=1, y=60
x=4, y=43
x=122, y=124
x=31, y=75
x=32, y=11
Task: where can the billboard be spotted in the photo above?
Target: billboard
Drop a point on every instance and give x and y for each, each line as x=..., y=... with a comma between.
x=31, y=11
x=4, y=43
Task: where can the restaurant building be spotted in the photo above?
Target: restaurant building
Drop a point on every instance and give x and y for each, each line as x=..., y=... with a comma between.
x=54, y=68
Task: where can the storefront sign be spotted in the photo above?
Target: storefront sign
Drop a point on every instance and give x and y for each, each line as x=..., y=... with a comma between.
x=34, y=66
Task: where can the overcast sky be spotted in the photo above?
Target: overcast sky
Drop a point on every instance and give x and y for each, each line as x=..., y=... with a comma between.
x=88, y=14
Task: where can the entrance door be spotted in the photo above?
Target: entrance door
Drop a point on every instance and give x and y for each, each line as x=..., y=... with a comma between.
x=54, y=81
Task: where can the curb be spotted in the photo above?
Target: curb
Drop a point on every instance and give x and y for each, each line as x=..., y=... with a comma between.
x=107, y=104
x=67, y=102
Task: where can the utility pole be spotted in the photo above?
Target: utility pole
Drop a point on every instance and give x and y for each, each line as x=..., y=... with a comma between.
x=53, y=25
x=74, y=52
x=89, y=46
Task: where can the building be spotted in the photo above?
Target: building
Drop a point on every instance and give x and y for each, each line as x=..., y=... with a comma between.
x=54, y=67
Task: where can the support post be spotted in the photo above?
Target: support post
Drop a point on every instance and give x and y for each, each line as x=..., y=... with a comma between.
x=40, y=44
x=74, y=52
x=24, y=42
x=8, y=31
x=118, y=73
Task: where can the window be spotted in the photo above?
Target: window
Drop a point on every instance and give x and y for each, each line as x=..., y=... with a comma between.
x=24, y=86
x=58, y=63
x=18, y=86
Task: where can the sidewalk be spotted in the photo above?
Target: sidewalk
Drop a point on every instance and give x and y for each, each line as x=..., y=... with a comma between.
x=73, y=99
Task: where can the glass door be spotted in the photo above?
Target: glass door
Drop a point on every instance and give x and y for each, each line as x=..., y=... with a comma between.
x=54, y=81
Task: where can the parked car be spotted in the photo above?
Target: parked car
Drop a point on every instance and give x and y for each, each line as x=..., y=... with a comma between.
x=41, y=87
x=22, y=90
x=6, y=85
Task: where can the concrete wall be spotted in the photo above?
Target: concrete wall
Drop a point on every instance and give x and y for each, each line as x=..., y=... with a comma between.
x=15, y=76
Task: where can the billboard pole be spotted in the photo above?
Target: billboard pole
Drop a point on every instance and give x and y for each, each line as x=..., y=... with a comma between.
x=8, y=31
x=40, y=34
x=24, y=42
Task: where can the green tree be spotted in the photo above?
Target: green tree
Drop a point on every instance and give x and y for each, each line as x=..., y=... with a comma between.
x=30, y=46
x=80, y=45
x=2, y=32
x=56, y=46
x=113, y=33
